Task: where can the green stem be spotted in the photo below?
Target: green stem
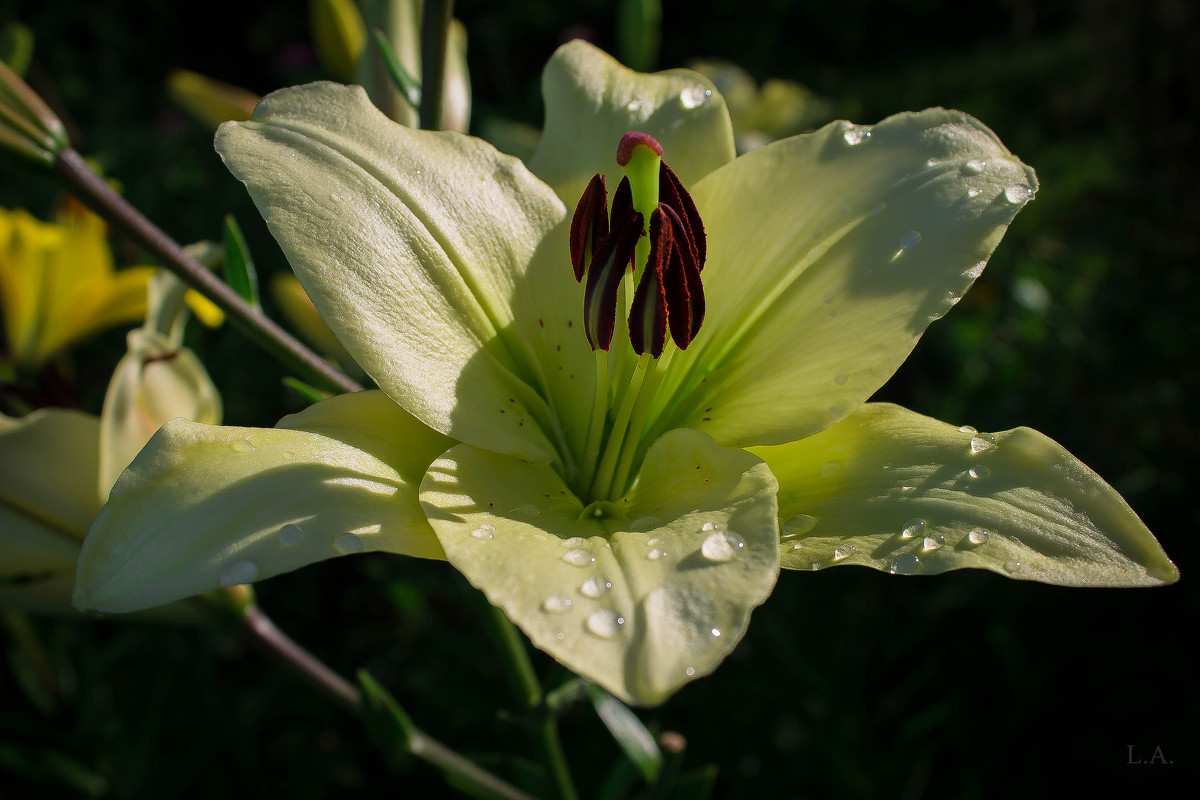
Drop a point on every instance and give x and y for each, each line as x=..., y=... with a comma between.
x=277, y=643
x=528, y=691
x=591, y=450
x=635, y=445
x=603, y=485
x=435, y=28
x=100, y=197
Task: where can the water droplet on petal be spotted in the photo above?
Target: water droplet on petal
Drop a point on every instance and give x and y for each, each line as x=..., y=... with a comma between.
x=526, y=510
x=560, y=636
x=837, y=411
x=556, y=603
x=710, y=526
x=694, y=96
x=645, y=523
x=1018, y=194
x=241, y=446
x=348, y=543
x=982, y=441
x=840, y=377
x=977, y=536
x=604, y=623
x=716, y=633
x=690, y=671
x=653, y=541
x=973, y=167
x=856, y=134
x=844, y=552
x=290, y=535
x=239, y=572
x=910, y=239
x=721, y=546
x=1012, y=567
x=979, y=471
x=968, y=429
x=574, y=542
x=905, y=564
x=934, y=541
x=655, y=554
x=912, y=528
x=801, y=523
x=829, y=297
x=578, y=558
x=484, y=532
x=830, y=468
x=594, y=587
x=974, y=191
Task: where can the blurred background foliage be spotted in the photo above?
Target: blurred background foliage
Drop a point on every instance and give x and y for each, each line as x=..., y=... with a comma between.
x=850, y=683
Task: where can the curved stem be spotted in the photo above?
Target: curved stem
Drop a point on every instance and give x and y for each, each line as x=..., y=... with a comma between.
x=117, y=211
x=277, y=643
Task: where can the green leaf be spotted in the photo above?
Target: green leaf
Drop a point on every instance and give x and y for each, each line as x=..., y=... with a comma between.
x=16, y=47
x=412, y=244
x=202, y=507
x=386, y=722
x=310, y=394
x=890, y=489
x=829, y=254
x=654, y=591
x=409, y=86
x=629, y=732
x=591, y=101
x=239, y=266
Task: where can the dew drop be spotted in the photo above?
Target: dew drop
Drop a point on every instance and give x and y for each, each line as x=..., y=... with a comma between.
x=653, y=541
x=973, y=167
x=829, y=297
x=1017, y=194
x=912, y=528
x=578, y=558
x=979, y=471
x=818, y=233
x=716, y=633
x=830, y=468
x=655, y=554
x=526, y=510
x=837, y=411
x=977, y=536
x=348, y=543
x=801, y=523
x=710, y=526
x=856, y=134
x=560, y=636
x=974, y=191
x=910, y=239
x=241, y=446
x=594, y=587
x=721, y=546
x=690, y=671
x=556, y=603
x=694, y=96
x=982, y=442
x=840, y=377
x=934, y=541
x=604, y=623
x=844, y=552
x=905, y=564
x=290, y=535
x=1012, y=567
x=239, y=572
x=484, y=532
x=574, y=542
x=968, y=429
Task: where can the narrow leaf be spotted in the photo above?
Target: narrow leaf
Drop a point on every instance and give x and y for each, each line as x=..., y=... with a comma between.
x=386, y=722
x=239, y=266
x=629, y=732
x=409, y=86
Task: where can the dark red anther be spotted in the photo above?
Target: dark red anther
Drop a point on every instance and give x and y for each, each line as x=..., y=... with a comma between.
x=622, y=204
x=672, y=193
x=604, y=278
x=648, y=312
x=681, y=284
x=589, y=225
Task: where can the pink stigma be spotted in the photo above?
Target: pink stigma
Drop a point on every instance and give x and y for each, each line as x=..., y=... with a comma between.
x=634, y=139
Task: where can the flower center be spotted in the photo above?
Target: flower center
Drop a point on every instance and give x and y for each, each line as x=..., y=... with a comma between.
x=654, y=231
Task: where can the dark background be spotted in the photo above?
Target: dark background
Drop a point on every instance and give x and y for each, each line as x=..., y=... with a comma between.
x=850, y=683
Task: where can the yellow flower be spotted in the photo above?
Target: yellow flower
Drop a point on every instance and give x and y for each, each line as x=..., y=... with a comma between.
x=58, y=285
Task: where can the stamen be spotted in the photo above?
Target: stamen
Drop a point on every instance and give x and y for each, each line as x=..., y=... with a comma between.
x=674, y=195
x=589, y=225
x=683, y=289
x=631, y=141
x=648, y=311
x=604, y=278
